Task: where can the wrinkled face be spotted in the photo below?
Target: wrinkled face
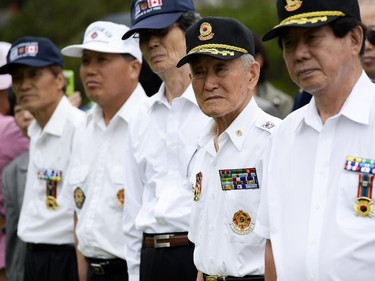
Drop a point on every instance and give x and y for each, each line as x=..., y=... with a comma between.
x=316, y=59
x=368, y=18
x=222, y=88
x=162, y=49
x=106, y=77
x=37, y=89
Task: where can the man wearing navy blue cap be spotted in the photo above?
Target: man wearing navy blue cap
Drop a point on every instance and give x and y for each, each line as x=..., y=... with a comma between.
x=163, y=139
x=317, y=208
x=46, y=222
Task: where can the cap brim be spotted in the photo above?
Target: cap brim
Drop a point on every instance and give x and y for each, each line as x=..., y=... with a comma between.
x=188, y=57
x=7, y=68
x=158, y=21
x=307, y=22
x=76, y=50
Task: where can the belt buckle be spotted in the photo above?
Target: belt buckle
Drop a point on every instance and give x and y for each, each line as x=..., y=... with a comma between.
x=215, y=278
x=162, y=237
x=97, y=268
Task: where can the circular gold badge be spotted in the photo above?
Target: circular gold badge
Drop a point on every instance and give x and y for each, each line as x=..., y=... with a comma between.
x=205, y=31
x=51, y=203
x=364, y=207
x=242, y=223
x=79, y=197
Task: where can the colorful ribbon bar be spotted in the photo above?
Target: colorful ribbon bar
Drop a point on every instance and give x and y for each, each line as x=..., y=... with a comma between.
x=239, y=179
x=360, y=165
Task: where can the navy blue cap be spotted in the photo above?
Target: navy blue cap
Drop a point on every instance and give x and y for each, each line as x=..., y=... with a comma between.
x=32, y=51
x=156, y=14
x=311, y=13
x=218, y=37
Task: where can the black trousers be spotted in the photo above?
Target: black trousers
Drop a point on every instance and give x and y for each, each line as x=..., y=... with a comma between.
x=168, y=264
x=50, y=263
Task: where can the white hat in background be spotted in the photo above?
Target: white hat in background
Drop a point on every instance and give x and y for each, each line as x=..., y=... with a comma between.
x=105, y=37
x=6, y=79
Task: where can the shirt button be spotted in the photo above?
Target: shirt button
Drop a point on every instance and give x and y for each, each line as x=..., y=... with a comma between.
x=239, y=133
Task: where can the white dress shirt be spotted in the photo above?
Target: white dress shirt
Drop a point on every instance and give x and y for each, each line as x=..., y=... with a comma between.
x=50, y=149
x=98, y=171
x=162, y=142
x=307, y=208
x=221, y=246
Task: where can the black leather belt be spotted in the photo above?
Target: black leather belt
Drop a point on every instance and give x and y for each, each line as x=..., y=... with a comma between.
x=49, y=247
x=166, y=240
x=231, y=278
x=107, y=266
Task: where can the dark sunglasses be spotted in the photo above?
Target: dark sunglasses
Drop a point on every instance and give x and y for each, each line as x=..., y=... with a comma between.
x=370, y=36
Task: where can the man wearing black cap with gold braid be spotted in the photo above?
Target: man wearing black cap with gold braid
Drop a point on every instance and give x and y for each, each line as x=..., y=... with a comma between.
x=226, y=169
x=317, y=207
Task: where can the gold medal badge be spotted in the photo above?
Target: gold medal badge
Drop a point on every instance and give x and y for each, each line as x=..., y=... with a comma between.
x=293, y=5
x=121, y=196
x=242, y=223
x=51, y=203
x=79, y=197
x=363, y=205
x=198, y=186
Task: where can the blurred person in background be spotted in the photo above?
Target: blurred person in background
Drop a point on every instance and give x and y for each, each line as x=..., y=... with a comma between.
x=46, y=219
x=163, y=138
x=12, y=144
x=281, y=101
x=367, y=8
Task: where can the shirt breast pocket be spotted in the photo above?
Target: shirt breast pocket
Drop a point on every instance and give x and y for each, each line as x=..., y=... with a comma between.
x=240, y=215
x=352, y=213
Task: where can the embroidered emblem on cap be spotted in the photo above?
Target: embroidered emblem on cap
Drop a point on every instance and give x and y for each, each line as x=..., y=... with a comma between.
x=29, y=49
x=242, y=223
x=154, y=3
x=205, y=31
x=293, y=5
x=94, y=35
x=121, y=196
x=79, y=197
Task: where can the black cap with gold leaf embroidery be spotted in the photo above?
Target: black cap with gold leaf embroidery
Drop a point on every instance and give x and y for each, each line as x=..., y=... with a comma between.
x=218, y=37
x=311, y=13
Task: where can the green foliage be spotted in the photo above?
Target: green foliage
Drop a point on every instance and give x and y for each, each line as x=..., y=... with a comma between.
x=64, y=22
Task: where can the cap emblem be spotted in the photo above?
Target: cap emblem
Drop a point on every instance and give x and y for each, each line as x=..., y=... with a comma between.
x=293, y=5
x=94, y=35
x=144, y=7
x=24, y=50
x=205, y=31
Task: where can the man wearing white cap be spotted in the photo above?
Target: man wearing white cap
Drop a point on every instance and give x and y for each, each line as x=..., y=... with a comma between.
x=109, y=72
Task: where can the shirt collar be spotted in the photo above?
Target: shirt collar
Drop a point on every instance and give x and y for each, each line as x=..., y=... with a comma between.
x=56, y=123
x=127, y=111
x=237, y=131
x=159, y=97
x=357, y=106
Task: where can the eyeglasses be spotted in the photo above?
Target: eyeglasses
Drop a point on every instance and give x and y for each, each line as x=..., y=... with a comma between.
x=370, y=36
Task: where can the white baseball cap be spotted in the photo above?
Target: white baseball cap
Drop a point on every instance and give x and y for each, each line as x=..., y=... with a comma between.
x=105, y=37
x=6, y=79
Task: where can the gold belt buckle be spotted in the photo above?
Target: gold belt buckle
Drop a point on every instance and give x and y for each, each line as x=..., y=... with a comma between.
x=215, y=278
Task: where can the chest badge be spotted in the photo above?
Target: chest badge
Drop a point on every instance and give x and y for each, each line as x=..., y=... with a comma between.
x=121, y=196
x=197, y=189
x=79, y=197
x=242, y=223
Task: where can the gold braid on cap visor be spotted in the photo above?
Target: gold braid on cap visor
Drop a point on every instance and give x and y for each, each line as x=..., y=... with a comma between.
x=312, y=17
x=213, y=49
